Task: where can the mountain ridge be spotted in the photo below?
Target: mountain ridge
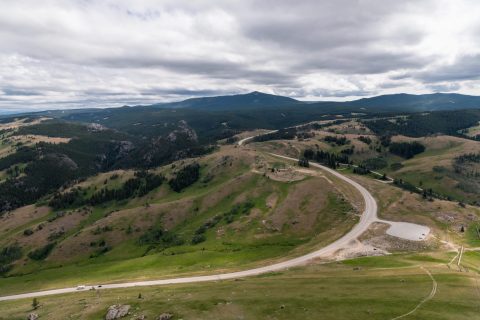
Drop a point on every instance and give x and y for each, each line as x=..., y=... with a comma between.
x=254, y=98
x=398, y=102
x=394, y=102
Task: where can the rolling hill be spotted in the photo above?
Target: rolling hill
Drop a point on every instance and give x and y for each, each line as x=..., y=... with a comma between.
x=252, y=99
x=422, y=102
x=255, y=103
x=393, y=102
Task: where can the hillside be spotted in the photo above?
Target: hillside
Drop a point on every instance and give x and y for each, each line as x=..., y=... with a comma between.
x=237, y=212
x=253, y=99
x=422, y=102
x=239, y=160
x=116, y=205
x=244, y=209
x=260, y=107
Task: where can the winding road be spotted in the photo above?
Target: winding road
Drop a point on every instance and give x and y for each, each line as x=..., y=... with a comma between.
x=368, y=216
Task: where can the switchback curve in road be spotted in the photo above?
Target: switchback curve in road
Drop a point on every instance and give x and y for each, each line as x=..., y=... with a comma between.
x=368, y=216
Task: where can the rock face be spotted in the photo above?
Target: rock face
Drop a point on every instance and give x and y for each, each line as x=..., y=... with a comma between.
x=165, y=316
x=32, y=316
x=117, y=311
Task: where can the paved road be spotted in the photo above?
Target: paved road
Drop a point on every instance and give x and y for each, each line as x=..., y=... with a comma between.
x=242, y=142
x=368, y=216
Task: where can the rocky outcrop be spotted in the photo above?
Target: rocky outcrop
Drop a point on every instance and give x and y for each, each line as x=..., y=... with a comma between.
x=117, y=311
x=165, y=316
x=32, y=316
x=183, y=130
x=95, y=127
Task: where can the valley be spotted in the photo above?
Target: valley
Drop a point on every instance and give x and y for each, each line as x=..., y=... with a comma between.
x=246, y=207
x=239, y=160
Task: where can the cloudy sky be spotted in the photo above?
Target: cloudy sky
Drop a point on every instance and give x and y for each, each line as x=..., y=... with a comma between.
x=101, y=53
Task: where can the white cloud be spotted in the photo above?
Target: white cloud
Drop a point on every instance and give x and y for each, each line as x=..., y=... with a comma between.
x=63, y=54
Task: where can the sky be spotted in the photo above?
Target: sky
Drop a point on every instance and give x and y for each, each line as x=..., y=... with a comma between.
x=103, y=53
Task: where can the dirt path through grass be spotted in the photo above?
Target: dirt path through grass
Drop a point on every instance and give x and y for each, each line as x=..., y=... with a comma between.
x=429, y=297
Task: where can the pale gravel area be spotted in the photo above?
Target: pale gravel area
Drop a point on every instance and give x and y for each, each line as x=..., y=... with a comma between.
x=407, y=230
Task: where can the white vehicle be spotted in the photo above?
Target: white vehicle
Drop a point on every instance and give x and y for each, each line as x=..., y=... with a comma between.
x=82, y=287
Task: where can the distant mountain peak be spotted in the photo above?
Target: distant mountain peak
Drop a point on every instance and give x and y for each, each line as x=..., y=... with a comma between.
x=251, y=99
x=384, y=103
x=259, y=93
x=420, y=102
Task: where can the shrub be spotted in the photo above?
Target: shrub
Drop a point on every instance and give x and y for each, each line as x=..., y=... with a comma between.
x=42, y=252
x=365, y=139
x=159, y=236
x=375, y=163
x=185, y=177
x=100, y=251
x=7, y=256
x=103, y=229
x=339, y=141
x=198, y=238
x=55, y=235
x=361, y=170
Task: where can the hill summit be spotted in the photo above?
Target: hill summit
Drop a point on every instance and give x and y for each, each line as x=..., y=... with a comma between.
x=252, y=99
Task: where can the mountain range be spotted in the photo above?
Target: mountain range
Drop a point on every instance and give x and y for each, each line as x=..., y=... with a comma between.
x=392, y=102
x=255, y=100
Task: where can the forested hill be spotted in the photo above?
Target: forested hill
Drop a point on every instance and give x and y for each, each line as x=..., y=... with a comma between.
x=249, y=100
x=423, y=102
x=257, y=103
x=428, y=123
x=382, y=103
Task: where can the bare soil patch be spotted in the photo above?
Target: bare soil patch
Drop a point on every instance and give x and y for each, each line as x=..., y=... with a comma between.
x=21, y=216
x=301, y=208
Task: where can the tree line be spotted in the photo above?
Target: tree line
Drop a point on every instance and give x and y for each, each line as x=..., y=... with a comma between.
x=468, y=157
x=421, y=124
x=406, y=150
x=339, y=141
x=282, y=134
x=142, y=183
x=185, y=177
x=327, y=158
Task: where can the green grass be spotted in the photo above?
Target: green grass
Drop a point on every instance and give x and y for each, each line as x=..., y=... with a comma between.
x=472, y=235
x=235, y=250
x=332, y=291
x=377, y=262
x=471, y=259
x=473, y=131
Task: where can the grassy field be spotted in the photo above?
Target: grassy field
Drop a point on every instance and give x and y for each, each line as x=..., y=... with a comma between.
x=290, y=212
x=287, y=219
x=366, y=288
x=445, y=218
x=433, y=168
x=473, y=131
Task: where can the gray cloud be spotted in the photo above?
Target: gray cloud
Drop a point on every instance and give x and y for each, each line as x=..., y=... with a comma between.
x=352, y=61
x=313, y=25
x=444, y=87
x=19, y=92
x=464, y=68
x=114, y=52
